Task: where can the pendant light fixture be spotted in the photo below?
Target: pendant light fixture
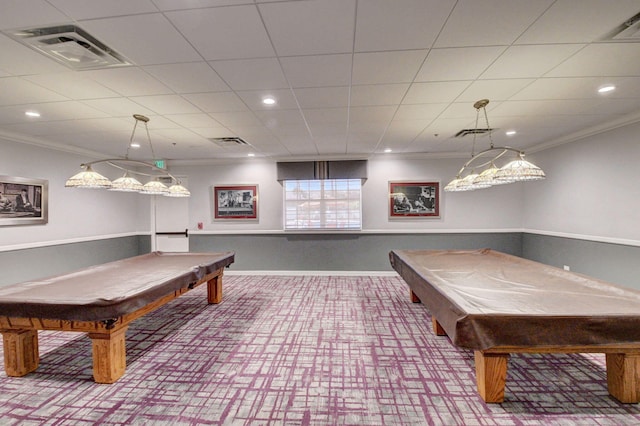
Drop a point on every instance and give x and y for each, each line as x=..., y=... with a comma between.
x=481, y=170
x=88, y=178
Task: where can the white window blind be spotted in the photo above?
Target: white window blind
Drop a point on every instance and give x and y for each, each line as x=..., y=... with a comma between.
x=322, y=204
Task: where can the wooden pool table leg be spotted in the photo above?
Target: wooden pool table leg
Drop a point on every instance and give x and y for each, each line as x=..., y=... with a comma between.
x=21, y=354
x=437, y=328
x=623, y=376
x=491, y=375
x=109, y=355
x=414, y=297
x=214, y=289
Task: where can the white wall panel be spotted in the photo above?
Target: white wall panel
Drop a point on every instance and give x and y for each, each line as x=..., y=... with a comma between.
x=73, y=213
x=592, y=188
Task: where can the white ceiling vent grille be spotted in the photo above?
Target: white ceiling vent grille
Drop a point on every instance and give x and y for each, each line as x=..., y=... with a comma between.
x=465, y=132
x=69, y=45
x=629, y=30
x=229, y=142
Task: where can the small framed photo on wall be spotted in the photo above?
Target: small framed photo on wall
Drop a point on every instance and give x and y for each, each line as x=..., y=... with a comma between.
x=23, y=201
x=414, y=199
x=235, y=202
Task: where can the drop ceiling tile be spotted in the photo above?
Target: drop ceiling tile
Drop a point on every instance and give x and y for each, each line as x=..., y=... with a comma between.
x=44, y=128
x=118, y=107
x=378, y=94
x=560, y=88
x=188, y=77
x=387, y=67
x=446, y=128
x=90, y=9
x=202, y=26
x=322, y=97
x=181, y=135
x=109, y=143
x=332, y=134
x=278, y=118
x=213, y=132
x=368, y=128
x=284, y=99
x=68, y=110
x=420, y=111
x=217, y=101
x=399, y=24
x=569, y=22
x=435, y=92
x=404, y=130
x=290, y=131
x=191, y=121
x=31, y=62
x=15, y=114
x=166, y=104
x=317, y=71
x=310, y=27
x=129, y=81
x=29, y=13
x=465, y=111
x=602, y=59
x=331, y=116
x=236, y=118
x=494, y=90
x=144, y=39
x=478, y=23
x=194, y=4
x=72, y=85
x=460, y=63
x=371, y=114
x=16, y=91
x=251, y=74
x=616, y=106
x=529, y=61
x=540, y=107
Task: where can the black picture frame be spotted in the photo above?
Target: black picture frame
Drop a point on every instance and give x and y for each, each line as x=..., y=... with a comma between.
x=235, y=202
x=414, y=200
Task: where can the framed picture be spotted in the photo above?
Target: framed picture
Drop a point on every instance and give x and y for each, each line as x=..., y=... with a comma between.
x=23, y=201
x=235, y=202
x=414, y=199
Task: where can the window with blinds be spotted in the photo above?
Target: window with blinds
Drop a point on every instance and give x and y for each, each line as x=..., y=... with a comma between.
x=334, y=204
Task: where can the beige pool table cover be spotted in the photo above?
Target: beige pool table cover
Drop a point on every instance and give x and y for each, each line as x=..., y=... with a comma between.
x=485, y=299
x=109, y=290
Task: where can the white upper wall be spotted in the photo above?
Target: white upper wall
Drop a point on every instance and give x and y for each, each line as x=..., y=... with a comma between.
x=488, y=210
x=592, y=189
x=591, y=192
x=74, y=214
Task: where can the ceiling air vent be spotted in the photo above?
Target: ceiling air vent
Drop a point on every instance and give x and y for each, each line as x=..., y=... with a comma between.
x=229, y=142
x=629, y=30
x=70, y=45
x=465, y=132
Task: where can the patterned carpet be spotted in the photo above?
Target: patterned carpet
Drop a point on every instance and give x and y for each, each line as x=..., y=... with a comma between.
x=300, y=351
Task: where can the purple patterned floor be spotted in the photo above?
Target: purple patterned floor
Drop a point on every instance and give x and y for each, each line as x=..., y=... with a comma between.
x=301, y=351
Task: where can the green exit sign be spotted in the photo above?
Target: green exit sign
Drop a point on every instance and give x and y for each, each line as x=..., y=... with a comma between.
x=161, y=164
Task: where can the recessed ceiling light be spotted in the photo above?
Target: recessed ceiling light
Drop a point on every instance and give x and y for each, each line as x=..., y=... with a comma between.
x=269, y=100
x=607, y=88
x=388, y=150
x=251, y=154
x=510, y=132
x=32, y=114
x=135, y=145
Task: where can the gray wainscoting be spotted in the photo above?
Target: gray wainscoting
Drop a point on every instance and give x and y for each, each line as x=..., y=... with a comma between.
x=340, y=252
x=34, y=263
x=616, y=263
